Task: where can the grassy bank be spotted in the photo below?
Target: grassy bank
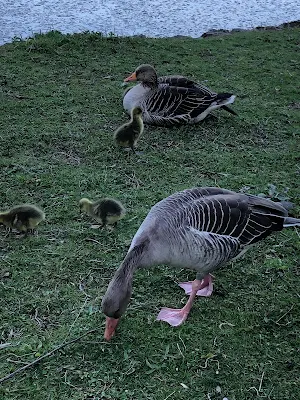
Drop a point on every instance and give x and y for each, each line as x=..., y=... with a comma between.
x=60, y=103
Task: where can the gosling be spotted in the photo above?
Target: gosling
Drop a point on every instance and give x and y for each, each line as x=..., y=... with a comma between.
x=24, y=217
x=106, y=211
x=129, y=133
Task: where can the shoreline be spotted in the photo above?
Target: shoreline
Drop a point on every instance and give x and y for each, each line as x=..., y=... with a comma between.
x=220, y=32
x=224, y=32
x=209, y=33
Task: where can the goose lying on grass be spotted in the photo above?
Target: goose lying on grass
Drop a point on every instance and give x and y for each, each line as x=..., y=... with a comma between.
x=200, y=229
x=172, y=100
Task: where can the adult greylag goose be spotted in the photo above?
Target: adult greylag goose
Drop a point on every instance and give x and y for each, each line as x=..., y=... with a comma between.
x=199, y=229
x=172, y=100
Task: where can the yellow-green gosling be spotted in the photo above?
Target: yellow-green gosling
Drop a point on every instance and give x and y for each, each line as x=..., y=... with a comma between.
x=129, y=133
x=106, y=211
x=24, y=217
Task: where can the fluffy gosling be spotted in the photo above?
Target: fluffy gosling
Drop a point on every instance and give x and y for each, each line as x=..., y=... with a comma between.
x=129, y=133
x=24, y=217
x=106, y=211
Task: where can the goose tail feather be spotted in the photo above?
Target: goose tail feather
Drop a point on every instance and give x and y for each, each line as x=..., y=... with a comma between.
x=289, y=221
x=225, y=98
x=287, y=205
x=230, y=110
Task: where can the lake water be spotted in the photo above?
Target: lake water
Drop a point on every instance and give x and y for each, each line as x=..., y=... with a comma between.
x=154, y=18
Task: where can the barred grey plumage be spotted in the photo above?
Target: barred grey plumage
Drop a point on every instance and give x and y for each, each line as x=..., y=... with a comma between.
x=172, y=100
x=201, y=229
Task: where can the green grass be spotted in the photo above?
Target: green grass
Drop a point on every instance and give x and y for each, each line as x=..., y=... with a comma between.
x=60, y=103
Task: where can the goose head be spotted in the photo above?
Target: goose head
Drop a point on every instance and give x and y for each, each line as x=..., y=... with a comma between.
x=85, y=204
x=145, y=73
x=118, y=293
x=136, y=112
x=114, y=303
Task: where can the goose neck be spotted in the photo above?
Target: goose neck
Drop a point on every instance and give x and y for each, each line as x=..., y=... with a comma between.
x=150, y=83
x=130, y=264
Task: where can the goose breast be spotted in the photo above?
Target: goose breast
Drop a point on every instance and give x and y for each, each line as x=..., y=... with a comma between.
x=134, y=97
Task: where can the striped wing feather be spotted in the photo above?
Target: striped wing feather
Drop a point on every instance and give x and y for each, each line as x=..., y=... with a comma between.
x=248, y=218
x=236, y=216
x=174, y=101
x=178, y=99
x=182, y=81
x=185, y=197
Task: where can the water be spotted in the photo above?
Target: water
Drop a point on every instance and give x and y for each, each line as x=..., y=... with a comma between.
x=156, y=18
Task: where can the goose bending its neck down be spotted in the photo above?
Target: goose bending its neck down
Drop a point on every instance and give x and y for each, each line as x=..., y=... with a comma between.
x=200, y=229
x=172, y=100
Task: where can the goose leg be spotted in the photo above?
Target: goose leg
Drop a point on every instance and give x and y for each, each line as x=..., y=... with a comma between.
x=176, y=317
x=205, y=290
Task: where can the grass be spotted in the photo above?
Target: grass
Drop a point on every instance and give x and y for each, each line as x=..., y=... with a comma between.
x=60, y=101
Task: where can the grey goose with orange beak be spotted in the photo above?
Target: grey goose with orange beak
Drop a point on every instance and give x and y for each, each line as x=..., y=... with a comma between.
x=201, y=229
x=172, y=100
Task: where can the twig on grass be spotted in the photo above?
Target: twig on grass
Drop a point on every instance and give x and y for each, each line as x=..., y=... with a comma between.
x=77, y=316
x=4, y=345
x=169, y=395
x=92, y=240
x=37, y=360
x=261, y=381
x=276, y=322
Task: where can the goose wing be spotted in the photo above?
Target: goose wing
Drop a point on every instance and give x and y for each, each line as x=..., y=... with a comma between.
x=167, y=214
x=223, y=212
x=248, y=218
x=182, y=81
x=177, y=104
x=179, y=200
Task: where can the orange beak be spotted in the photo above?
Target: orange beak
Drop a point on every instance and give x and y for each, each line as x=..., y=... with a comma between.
x=132, y=77
x=110, y=327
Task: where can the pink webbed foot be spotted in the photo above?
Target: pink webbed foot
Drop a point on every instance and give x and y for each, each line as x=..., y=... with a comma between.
x=206, y=287
x=176, y=317
x=172, y=316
